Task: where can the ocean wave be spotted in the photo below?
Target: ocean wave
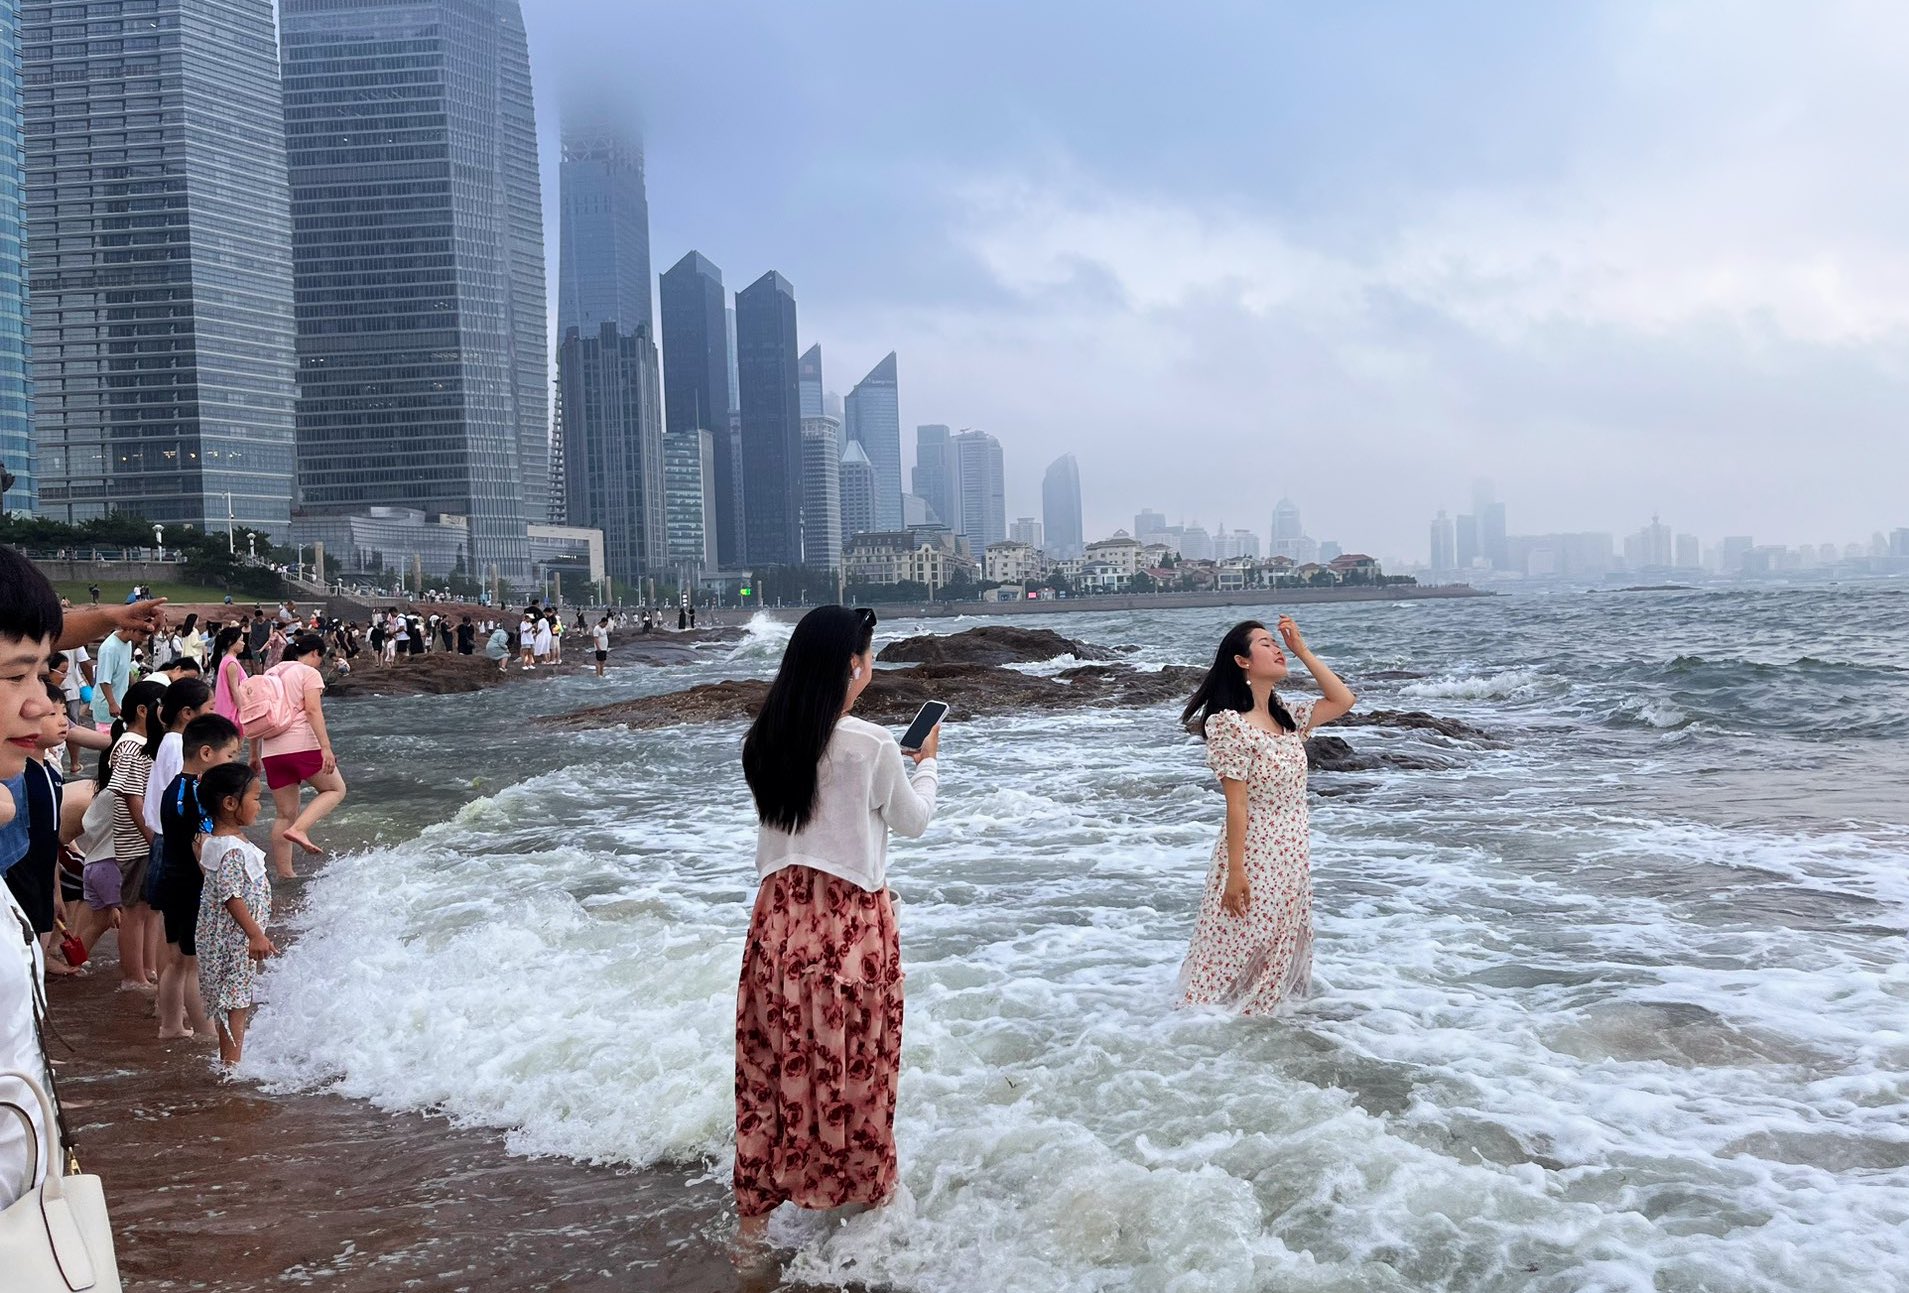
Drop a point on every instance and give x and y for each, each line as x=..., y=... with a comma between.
x=1510, y=684
x=764, y=638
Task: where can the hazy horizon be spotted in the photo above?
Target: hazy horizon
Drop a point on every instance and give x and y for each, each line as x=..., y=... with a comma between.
x=1623, y=261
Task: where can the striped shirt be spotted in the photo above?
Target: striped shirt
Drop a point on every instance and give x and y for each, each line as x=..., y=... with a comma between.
x=131, y=768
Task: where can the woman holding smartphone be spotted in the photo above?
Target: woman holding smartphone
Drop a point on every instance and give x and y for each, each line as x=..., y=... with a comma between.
x=819, y=1007
x=1252, y=945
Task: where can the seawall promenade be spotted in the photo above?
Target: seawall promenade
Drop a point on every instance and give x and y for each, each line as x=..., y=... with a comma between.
x=1155, y=601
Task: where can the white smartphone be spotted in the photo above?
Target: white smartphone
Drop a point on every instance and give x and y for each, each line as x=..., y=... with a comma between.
x=930, y=714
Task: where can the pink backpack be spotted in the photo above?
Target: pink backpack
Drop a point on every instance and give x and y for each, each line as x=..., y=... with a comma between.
x=265, y=707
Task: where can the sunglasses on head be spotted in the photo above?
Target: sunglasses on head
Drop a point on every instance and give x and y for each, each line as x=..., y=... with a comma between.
x=867, y=616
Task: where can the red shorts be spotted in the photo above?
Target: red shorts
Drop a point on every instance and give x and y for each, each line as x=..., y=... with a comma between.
x=283, y=770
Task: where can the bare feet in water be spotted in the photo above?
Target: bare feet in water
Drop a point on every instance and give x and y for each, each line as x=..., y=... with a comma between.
x=303, y=840
x=750, y=1252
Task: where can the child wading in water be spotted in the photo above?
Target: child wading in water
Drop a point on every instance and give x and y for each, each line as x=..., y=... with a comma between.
x=208, y=741
x=236, y=905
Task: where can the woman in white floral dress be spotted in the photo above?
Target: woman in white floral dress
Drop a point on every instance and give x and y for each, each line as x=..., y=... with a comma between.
x=1252, y=944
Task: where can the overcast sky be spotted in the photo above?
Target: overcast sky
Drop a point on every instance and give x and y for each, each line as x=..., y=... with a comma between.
x=1621, y=258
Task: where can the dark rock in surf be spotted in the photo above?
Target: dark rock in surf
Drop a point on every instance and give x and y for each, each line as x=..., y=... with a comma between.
x=989, y=644
x=1450, y=728
x=893, y=695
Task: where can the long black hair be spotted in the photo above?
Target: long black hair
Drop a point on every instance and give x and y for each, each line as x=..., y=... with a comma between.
x=783, y=751
x=29, y=608
x=221, y=644
x=222, y=782
x=147, y=698
x=1225, y=685
x=185, y=694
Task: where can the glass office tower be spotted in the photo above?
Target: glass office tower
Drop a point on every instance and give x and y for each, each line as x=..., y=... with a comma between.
x=1060, y=508
x=613, y=446
x=771, y=422
x=423, y=365
x=603, y=252
x=159, y=260
x=16, y=391
x=872, y=418
x=696, y=387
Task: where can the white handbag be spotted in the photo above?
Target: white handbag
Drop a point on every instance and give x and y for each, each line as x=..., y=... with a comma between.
x=55, y=1238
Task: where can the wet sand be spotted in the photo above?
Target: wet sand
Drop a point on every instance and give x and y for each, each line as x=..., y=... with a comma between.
x=216, y=1185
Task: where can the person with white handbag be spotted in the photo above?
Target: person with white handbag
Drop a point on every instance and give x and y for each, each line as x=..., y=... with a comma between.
x=54, y=1234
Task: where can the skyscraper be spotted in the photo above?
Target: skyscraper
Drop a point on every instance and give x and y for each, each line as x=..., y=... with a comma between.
x=1465, y=537
x=16, y=405
x=980, y=490
x=159, y=234
x=603, y=257
x=613, y=446
x=603, y=235
x=1060, y=508
x=872, y=418
x=821, y=493
x=809, y=381
x=766, y=371
x=696, y=391
x=934, y=474
x=1492, y=545
x=1444, y=544
x=418, y=247
x=689, y=500
x=1025, y=529
x=1289, y=533
x=858, y=491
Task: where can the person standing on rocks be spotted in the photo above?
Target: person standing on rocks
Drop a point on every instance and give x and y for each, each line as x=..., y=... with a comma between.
x=601, y=633
x=819, y=1006
x=1252, y=943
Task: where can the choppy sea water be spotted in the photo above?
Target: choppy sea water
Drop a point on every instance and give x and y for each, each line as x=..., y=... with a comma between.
x=1618, y=1004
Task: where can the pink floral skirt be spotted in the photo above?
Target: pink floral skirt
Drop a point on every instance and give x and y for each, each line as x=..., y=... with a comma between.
x=818, y=1045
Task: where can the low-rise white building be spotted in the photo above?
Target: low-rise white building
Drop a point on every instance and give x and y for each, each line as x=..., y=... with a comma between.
x=1012, y=562
x=1122, y=552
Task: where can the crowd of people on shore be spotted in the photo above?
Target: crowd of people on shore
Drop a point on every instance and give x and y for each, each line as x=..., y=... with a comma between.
x=190, y=724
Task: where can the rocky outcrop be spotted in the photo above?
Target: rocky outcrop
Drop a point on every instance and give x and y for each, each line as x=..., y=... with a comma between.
x=995, y=644
x=1449, y=728
x=893, y=695
x=445, y=673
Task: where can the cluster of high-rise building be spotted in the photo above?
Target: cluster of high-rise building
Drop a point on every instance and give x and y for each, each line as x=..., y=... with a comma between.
x=1475, y=546
x=290, y=276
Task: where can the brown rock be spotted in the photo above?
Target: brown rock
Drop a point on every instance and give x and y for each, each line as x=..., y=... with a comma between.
x=989, y=644
x=893, y=695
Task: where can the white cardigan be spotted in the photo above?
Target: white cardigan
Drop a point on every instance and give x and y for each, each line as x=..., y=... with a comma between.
x=863, y=790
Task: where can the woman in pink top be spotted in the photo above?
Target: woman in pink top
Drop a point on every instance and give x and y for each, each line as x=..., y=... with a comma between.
x=300, y=754
x=227, y=673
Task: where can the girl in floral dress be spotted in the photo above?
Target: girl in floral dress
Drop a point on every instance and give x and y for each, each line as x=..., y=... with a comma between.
x=1252, y=944
x=235, y=905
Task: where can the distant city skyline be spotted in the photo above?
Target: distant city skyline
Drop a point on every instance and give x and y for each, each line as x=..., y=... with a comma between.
x=1420, y=290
